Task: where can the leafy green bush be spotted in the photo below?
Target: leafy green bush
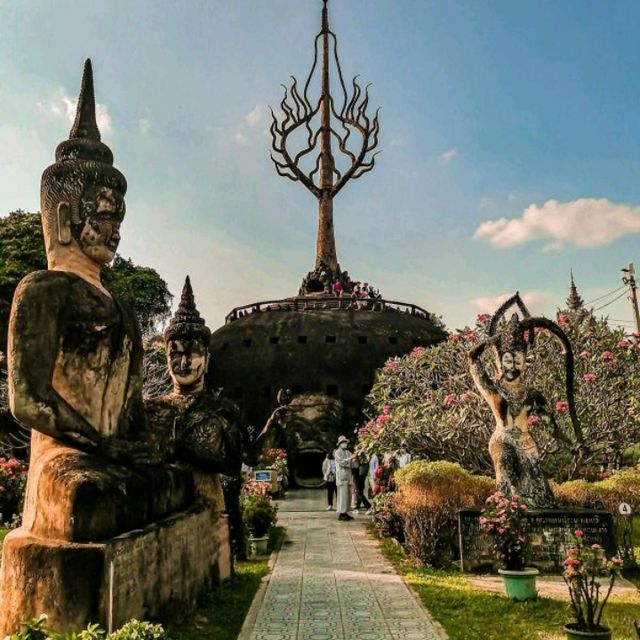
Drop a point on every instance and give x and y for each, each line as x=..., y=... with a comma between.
x=139, y=630
x=36, y=629
x=386, y=519
x=13, y=480
x=428, y=499
x=620, y=486
x=32, y=629
x=259, y=513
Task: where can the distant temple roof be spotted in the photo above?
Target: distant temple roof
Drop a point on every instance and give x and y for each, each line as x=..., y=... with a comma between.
x=574, y=301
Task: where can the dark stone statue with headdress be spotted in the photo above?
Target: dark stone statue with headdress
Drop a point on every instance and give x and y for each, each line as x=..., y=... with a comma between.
x=514, y=452
x=198, y=427
x=110, y=526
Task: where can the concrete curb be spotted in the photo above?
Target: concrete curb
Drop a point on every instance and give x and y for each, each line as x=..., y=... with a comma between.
x=250, y=619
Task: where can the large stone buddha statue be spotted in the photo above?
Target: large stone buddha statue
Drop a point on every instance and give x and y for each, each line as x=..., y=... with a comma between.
x=97, y=542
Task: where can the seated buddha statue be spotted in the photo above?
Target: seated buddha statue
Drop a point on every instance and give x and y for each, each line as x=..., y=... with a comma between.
x=75, y=361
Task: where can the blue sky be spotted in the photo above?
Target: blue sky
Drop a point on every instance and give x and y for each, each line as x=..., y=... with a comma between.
x=510, y=137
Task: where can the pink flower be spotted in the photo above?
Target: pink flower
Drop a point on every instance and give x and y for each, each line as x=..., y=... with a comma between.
x=616, y=561
x=624, y=344
x=562, y=405
x=563, y=319
x=533, y=421
x=450, y=399
x=596, y=546
x=416, y=352
x=456, y=336
x=589, y=377
x=392, y=366
x=607, y=355
x=579, y=533
x=471, y=335
x=386, y=410
x=584, y=354
x=482, y=318
x=572, y=562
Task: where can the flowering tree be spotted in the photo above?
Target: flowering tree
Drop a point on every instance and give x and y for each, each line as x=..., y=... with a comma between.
x=426, y=402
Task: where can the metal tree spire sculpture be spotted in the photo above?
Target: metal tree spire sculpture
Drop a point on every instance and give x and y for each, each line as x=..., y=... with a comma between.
x=336, y=122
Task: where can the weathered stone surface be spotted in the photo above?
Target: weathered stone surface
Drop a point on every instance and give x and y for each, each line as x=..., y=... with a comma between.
x=98, y=541
x=139, y=574
x=514, y=403
x=82, y=498
x=550, y=532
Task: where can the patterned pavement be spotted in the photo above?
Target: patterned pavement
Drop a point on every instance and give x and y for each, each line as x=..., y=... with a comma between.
x=330, y=582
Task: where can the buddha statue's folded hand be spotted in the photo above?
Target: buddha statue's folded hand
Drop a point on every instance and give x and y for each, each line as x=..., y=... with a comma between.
x=130, y=452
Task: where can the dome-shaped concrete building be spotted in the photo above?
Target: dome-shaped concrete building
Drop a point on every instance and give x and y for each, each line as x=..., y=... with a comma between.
x=326, y=343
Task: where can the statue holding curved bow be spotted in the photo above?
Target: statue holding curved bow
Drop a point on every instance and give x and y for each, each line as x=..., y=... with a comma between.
x=514, y=452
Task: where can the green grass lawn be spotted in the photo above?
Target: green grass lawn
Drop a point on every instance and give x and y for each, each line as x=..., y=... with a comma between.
x=468, y=613
x=223, y=610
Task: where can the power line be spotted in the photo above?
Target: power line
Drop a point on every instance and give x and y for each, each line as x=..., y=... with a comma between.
x=622, y=321
x=605, y=295
x=624, y=293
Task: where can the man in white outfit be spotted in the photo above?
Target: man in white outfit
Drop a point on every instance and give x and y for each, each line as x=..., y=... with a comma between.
x=344, y=478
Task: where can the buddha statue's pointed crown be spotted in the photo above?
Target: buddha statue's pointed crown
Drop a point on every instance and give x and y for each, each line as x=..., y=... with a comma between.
x=187, y=322
x=82, y=160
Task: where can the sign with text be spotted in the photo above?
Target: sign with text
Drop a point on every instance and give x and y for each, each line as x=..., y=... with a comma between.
x=550, y=534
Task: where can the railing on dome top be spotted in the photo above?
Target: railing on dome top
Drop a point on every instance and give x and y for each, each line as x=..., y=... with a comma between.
x=321, y=303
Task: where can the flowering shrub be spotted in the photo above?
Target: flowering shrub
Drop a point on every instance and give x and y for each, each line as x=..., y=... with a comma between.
x=138, y=630
x=584, y=568
x=426, y=401
x=504, y=520
x=384, y=480
x=276, y=459
x=13, y=479
x=386, y=519
x=255, y=488
x=259, y=513
x=428, y=499
x=619, y=486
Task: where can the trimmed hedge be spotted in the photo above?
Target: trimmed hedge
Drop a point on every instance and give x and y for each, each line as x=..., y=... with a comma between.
x=429, y=496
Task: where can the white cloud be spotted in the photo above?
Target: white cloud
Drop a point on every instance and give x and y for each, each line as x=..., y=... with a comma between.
x=448, y=156
x=251, y=129
x=256, y=115
x=585, y=222
x=61, y=105
x=144, y=125
x=488, y=304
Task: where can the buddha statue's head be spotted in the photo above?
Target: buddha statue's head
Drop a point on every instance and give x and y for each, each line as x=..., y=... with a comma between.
x=187, y=341
x=82, y=193
x=512, y=351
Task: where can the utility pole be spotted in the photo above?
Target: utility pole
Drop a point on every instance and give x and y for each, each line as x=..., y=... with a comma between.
x=630, y=280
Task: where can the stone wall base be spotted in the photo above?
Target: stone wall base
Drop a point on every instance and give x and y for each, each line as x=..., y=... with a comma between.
x=142, y=574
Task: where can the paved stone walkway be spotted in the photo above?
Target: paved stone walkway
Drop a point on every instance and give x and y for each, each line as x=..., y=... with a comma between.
x=330, y=582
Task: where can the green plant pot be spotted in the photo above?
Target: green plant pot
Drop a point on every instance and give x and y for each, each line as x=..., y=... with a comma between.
x=573, y=633
x=259, y=545
x=520, y=585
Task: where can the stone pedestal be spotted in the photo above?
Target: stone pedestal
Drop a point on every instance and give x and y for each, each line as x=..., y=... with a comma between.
x=140, y=574
x=550, y=535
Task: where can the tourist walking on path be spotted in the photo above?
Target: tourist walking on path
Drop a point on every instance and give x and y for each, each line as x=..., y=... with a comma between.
x=329, y=476
x=360, y=472
x=374, y=463
x=344, y=479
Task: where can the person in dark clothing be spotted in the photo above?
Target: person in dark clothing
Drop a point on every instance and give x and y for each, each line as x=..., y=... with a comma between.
x=329, y=476
x=360, y=471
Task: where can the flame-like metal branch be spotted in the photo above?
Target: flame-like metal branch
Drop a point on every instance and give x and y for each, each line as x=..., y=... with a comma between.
x=337, y=123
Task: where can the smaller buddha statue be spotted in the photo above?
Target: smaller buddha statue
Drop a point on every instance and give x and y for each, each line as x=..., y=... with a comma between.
x=514, y=452
x=199, y=427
